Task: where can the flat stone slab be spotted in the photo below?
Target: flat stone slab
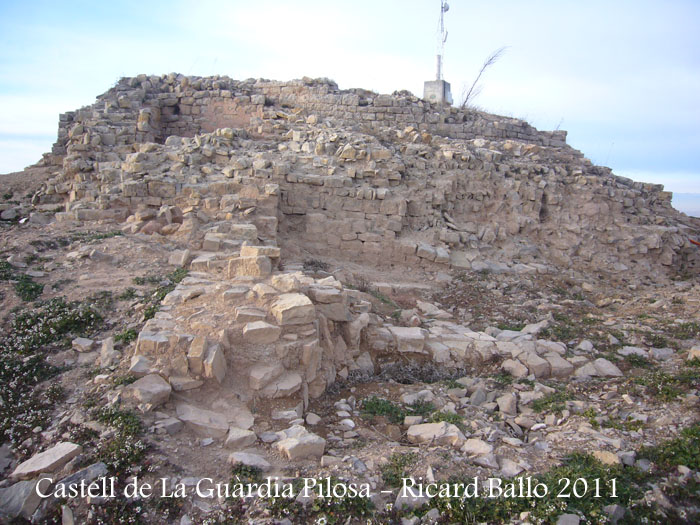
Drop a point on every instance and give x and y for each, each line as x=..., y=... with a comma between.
x=19, y=500
x=48, y=461
x=204, y=423
x=250, y=460
x=261, y=332
x=240, y=438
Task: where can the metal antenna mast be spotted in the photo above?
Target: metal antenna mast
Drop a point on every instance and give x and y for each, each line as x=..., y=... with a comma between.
x=444, y=7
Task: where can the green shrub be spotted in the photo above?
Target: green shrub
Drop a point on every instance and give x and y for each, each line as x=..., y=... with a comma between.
x=682, y=450
x=376, y=406
x=448, y=417
x=397, y=467
x=554, y=402
x=126, y=336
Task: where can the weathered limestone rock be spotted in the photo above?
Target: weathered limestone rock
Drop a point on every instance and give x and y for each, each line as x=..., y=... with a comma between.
x=251, y=266
x=408, y=339
x=196, y=354
x=151, y=390
x=441, y=433
x=293, y=308
x=261, y=332
x=476, y=447
x=140, y=366
x=250, y=460
x=694, y=353
x=273, y=252
x=240, y=438
x=261, y=375
x=284, y=386
x=19, y=500
x=606, y=458
x=508, y=404
x=301, y=444
x=82, y=344
x=179, y=258
x=514, y=368
x=48, y=461
x=559, y=366
x=536, y=365
x=215, y=364
x=204, y=423
x=606, y=369
x=108, y=355
x=184, y=383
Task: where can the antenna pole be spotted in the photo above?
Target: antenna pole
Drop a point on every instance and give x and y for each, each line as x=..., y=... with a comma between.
x=443, y=37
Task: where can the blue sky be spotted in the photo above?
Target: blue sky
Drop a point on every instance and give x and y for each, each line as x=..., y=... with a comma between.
x=622, y=77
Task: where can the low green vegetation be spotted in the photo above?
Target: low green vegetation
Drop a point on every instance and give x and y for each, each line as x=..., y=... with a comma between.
x=554, y=402
x=128, y=294
x=667, y=387
x=397, y=467
x=31, y=335
x=448, y=417
x=637, y=361
x=595, y=484
x=328, y=509
x=25, y=287
x=682, y=450
x=123, y=451
x=515, y=326
x=126, y=336
x=376, y=406
x=166, y=284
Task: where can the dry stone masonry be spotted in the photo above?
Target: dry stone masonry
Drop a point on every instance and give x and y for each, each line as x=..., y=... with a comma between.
x=249, y=177
x=301, y=213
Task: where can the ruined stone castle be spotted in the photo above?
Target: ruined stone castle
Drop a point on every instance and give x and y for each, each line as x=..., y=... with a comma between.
x=249, y=178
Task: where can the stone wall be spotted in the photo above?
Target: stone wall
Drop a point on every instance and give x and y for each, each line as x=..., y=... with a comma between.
x=151, y=108
x=383, y=179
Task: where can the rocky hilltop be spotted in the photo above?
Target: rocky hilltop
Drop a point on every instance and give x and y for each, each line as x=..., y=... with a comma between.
x=299, y=280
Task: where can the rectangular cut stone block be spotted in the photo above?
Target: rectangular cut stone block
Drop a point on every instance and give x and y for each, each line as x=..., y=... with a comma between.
x=256, y=251
x=408, y=339
x=246, y=232
x=284, y=386
x=249, y=266
x=293, y=308
x=151, y=343
x=196, y=354
x=261, y=332
x=150, y=390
